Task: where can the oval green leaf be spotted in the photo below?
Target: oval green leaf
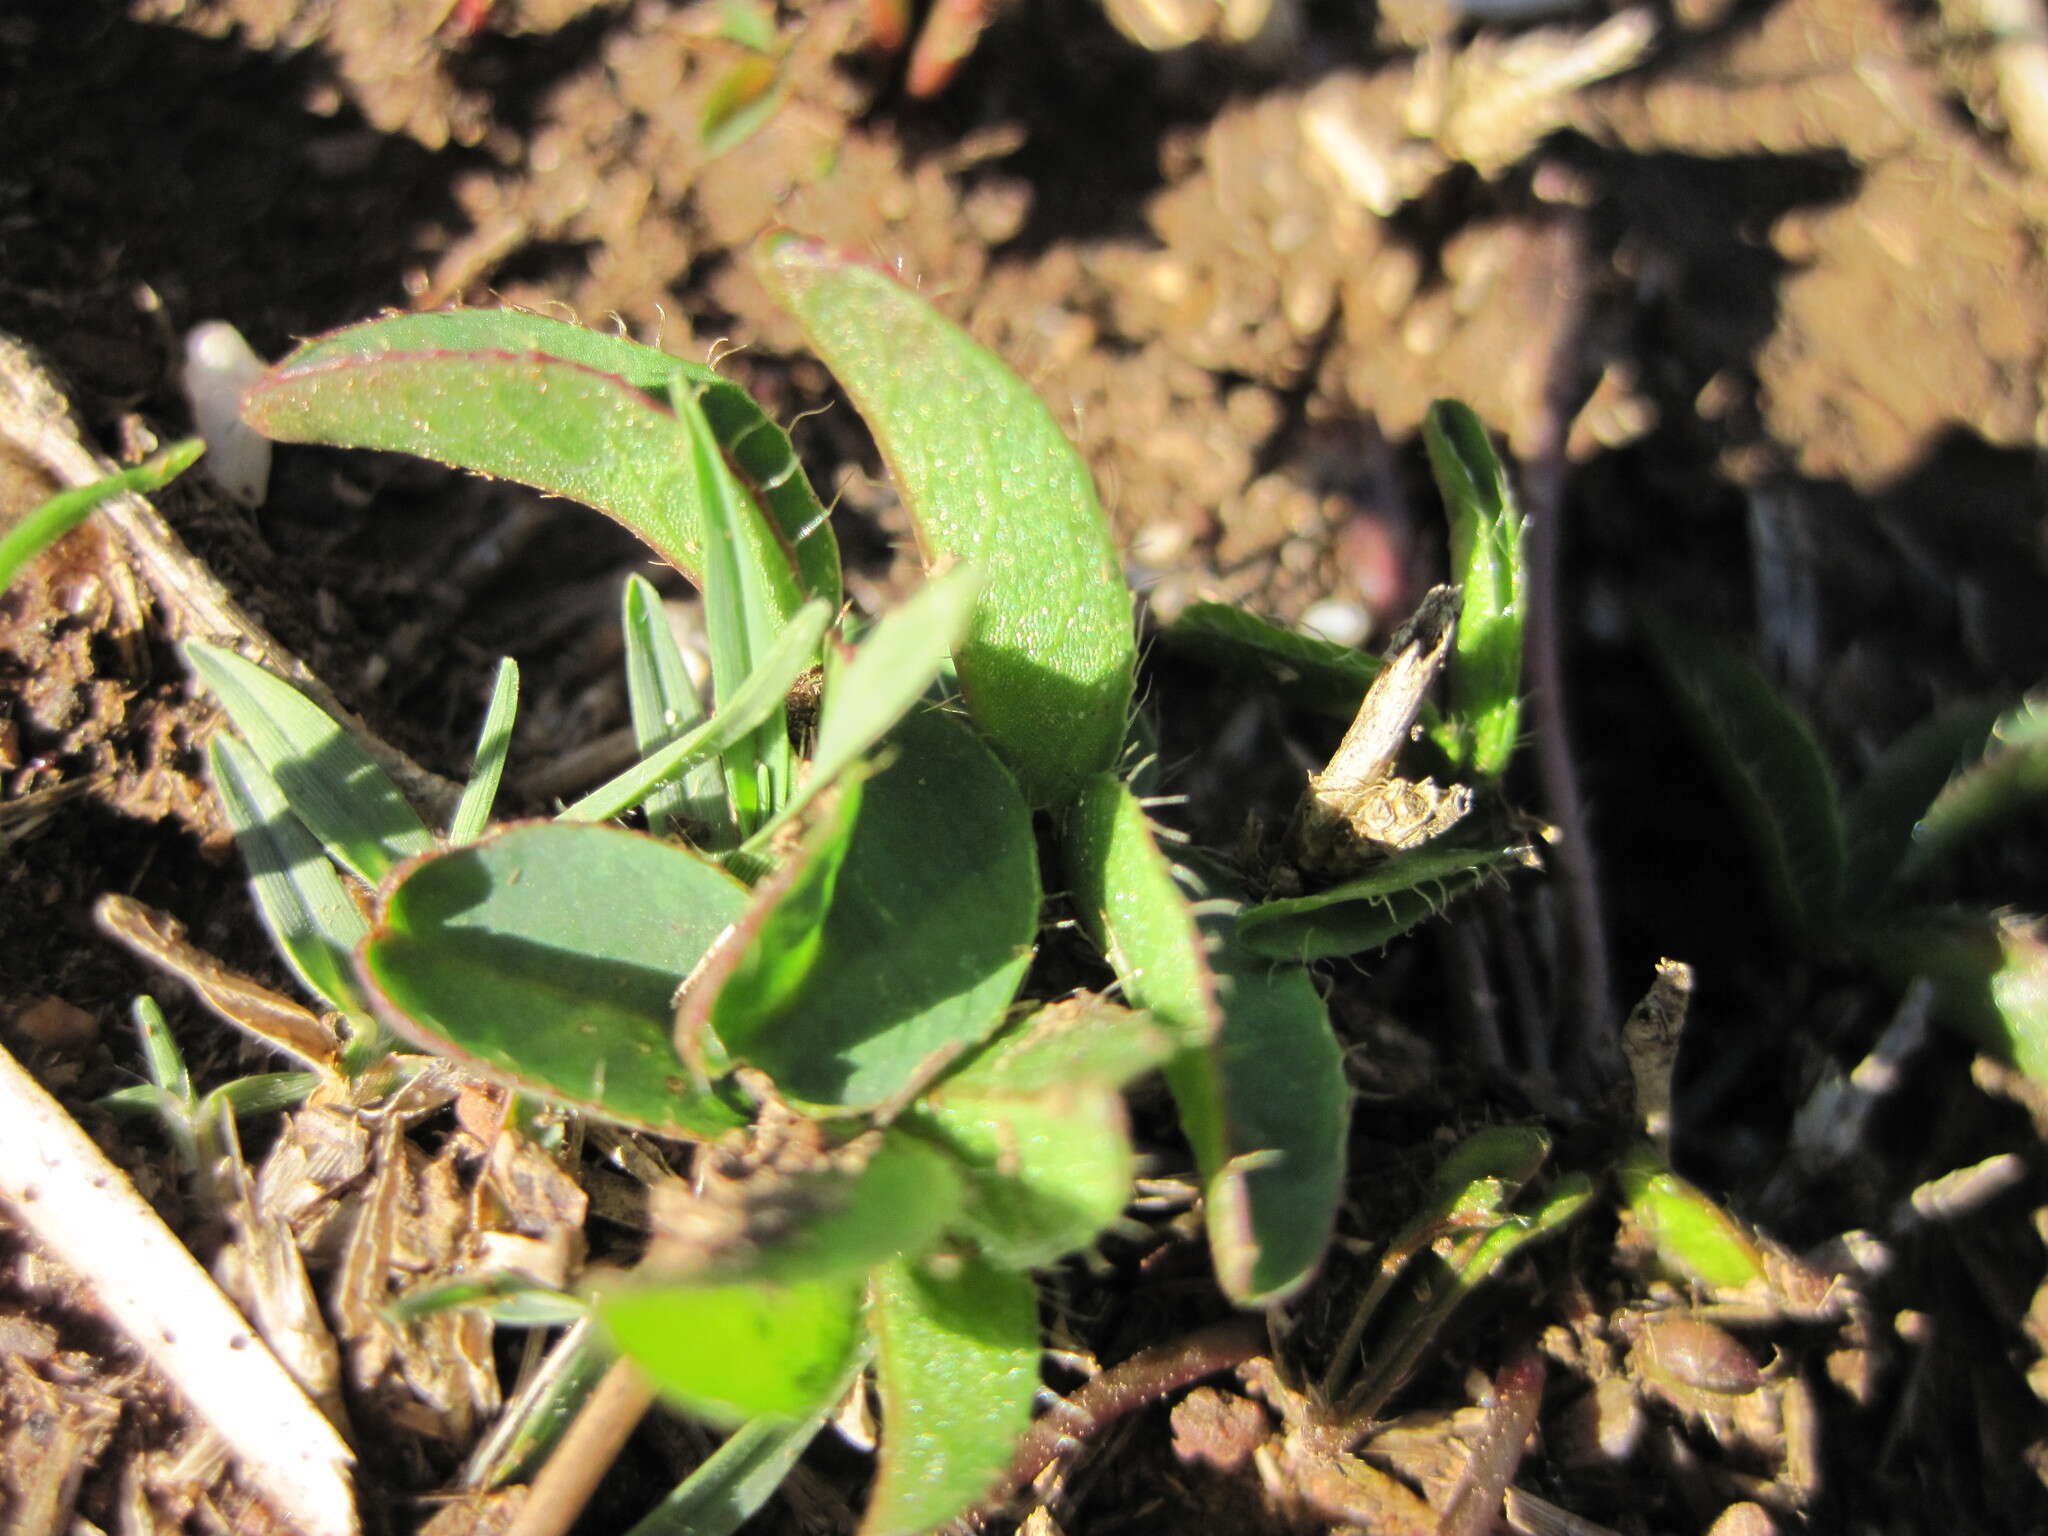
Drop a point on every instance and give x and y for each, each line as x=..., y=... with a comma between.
x=989, y=478
x=956, y=1364
x=546, y=956
x=557, y=407
x=739, y=1351
x=925, y=938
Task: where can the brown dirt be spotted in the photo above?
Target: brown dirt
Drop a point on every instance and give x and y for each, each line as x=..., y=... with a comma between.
x=1765, y=319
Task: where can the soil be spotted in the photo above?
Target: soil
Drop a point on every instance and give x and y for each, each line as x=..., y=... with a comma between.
x=1761, y=318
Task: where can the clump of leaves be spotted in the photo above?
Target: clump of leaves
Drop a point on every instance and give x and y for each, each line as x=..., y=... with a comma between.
x=817, y=968
x=1846, y=871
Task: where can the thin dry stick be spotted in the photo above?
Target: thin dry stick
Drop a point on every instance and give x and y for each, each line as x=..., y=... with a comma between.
x=1591, y=1050
x=585, y=1454
x=36, y=418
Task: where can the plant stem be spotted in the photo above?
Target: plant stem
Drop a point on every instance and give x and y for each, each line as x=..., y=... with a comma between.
x=1144, y=1378
x=586, y=1453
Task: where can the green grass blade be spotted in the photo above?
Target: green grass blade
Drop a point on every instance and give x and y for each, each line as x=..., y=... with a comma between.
x=956, y=1365
x=160, y=1051
x=1395, y=895
x=741, y=621
x=325, y=776
x=794, y=652
x=48, y=523
x=1305, y=671
x=473, y=811
x=990, y=480
x=734, y=1481
x=1770, y=765
x=2011, y=777
x=313, y=921
x=1486, y=564
x=594, y=425
x=665, y=706
x=1879, y=818
x=890, y=671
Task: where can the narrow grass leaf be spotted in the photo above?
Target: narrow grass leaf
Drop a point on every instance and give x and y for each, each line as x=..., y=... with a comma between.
x=313, y=922
x=1770, y=765
x=956, y=1365
x=1369, y=912
x=594, y=423
x=665, y=706
x=793, y=653
x=2010, y=778
x=1879, y=819
x=1486, y=564
x=733, y=1483
x=1305, y=671
x=546, y=956
x=325, y=776
x=928, y=933
x=990, y=480
x=740, y=104
x=37, y=530
x=473, y=811
x=890, y=670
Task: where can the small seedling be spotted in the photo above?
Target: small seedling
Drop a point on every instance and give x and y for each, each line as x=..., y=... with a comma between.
x=821, y=970
x=1842, y=871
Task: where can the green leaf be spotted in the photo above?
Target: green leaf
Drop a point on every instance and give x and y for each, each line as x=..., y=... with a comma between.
x=1379, y=906
x=1306, y=671
x=1286, y=1113
x=473, y=811
x=326, y=777
x=1770, y=765
x=990, y=480
x=546, y=956
x=557, y=407
x=735, y=1481
x=1486, y=564
x=1879, y=818
x=740, y=104
x=1693, y=1238
x=1990, y=974
x=1272, y=1167
x=1038, y=1121
x=665, y=706
x=37, y=530
x=835, y=1224
x=767, y=957
x=1131, y=903
x=742, y=1350
x=313, y=922
x=2012, y=777
x=956, y=1364
x=750, y=23
x=752, y=702
x=741, y=621
x=928, y=932
x=890, y=670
